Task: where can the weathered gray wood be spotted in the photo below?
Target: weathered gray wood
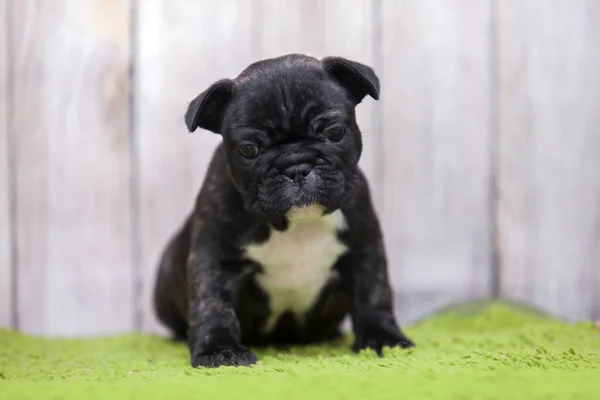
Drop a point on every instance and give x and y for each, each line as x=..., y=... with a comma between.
x=71, y=133
x=436, y=146
x=6, y=293
x=183, y=47
x=549, y=204
x=326, y=28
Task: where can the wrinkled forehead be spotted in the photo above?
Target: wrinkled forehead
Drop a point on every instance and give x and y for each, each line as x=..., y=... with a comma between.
x=294, y=103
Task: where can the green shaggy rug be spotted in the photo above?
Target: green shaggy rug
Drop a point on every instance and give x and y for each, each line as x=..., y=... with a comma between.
x=481, y=351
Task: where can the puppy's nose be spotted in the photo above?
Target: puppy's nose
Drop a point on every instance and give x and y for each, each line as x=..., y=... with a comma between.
x=297, y=172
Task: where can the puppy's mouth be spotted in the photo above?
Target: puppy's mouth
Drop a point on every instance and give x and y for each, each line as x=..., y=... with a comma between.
x=302, y=193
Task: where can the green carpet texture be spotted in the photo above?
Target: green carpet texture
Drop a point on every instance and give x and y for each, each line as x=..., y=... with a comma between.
x=475, y=351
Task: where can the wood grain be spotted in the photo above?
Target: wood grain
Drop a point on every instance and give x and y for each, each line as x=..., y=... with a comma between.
x=327, y=28
x=549, y=205
x=183, y=47
x=71, y=134
x=6, y=277
x=436, y=148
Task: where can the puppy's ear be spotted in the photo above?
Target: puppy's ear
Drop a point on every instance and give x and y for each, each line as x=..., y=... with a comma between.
x=206, y=110
x=358, y=79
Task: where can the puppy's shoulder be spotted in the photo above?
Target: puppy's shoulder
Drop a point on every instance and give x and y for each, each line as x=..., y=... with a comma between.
x=362, y=196
x=217, y=191
x=360, y=211
x=217, y=166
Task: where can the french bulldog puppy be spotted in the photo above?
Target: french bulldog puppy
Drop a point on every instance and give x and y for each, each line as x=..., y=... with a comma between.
x=283, y=242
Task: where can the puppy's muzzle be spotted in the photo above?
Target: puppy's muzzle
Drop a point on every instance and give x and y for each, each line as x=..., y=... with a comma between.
x=296, y=166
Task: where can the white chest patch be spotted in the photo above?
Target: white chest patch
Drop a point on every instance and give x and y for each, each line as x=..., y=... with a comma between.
x=297, y=263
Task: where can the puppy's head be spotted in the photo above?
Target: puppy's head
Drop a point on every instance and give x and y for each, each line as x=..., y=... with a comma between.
x=289, y=130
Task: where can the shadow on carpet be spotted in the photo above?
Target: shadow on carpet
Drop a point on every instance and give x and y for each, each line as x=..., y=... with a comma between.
x=486, y=351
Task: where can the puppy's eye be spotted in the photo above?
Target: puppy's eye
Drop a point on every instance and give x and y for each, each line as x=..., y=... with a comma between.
x=335, y=134
x=248, y=150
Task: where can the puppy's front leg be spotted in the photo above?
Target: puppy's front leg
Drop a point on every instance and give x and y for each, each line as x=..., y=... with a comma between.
x=372, y=314
x=214, y=329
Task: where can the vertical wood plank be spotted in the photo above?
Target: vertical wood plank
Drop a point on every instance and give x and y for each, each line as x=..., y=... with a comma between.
x=183, y=47
x=549, y=205
x=326, y=28
x=71, y=134
x=436, y=147
x=6, y=293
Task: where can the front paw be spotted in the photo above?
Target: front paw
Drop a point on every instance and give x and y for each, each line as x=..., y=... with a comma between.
x=378, y=340
x=220, y=355
x=378, y=332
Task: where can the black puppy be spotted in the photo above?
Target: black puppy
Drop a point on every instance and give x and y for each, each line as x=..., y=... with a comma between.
x=283, y=241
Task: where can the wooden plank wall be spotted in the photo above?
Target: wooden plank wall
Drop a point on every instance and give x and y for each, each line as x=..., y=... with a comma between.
x=482, y=153
x=549, y=154
x=436, y=164
x=71, y=133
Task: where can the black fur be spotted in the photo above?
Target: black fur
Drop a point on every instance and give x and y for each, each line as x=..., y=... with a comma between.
x=205, y=289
